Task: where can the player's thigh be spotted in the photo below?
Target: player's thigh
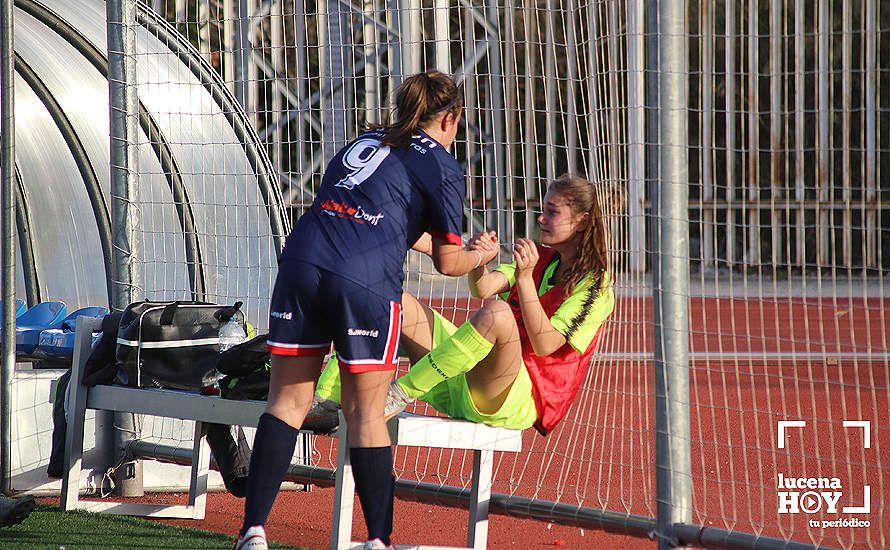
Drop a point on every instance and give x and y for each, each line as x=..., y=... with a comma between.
x=298, y=340
x=492, y=377
x=417, y=328
x=366, y=329
x=514, y=409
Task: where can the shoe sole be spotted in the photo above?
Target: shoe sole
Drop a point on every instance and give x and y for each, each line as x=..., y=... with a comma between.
x=320, y=426
x=19, y=512
x=390, y=416
x=255, y=541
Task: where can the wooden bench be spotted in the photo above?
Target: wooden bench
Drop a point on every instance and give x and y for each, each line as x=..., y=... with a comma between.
x=405, y=429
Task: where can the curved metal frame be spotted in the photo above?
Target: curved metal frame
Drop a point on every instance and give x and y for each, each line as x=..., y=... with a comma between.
x=234, y=113
x=23, y=228
x=79, y=154
x=150, y=127
x=194, y=258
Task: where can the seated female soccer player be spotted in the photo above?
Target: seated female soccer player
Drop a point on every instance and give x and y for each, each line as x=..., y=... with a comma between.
x=519, y=361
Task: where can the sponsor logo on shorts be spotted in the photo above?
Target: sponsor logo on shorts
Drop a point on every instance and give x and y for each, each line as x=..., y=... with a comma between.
x=286, y=315
x=371, y=333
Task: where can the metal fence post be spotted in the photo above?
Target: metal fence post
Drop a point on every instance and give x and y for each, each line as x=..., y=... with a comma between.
x=335, y=70
x=241, y=41
x=123, y=110
x=671, y=278
x=496, y=179
x=636, y=142
x=7, y=235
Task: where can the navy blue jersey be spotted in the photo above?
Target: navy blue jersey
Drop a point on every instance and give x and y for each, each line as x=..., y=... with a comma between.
x=374, y=203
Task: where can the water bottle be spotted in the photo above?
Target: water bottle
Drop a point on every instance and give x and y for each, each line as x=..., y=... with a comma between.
x=231, y=334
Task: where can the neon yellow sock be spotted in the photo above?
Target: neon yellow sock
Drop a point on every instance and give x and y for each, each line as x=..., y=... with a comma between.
x=328, y=385
x=452, y=357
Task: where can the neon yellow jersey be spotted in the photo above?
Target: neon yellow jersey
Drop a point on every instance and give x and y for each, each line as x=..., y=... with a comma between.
x=582, y=312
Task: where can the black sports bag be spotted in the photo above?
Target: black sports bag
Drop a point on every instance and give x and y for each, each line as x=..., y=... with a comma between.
x=171, y=344
x=245, y=358
x=246, y=367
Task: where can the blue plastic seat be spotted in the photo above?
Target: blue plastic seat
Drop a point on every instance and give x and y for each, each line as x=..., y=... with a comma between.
x=58, y=343
x=28, y=327
x=20, y=307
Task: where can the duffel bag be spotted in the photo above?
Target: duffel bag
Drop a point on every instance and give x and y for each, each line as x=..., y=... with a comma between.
x=253, y=385
x=171, y=344
x=246, y=357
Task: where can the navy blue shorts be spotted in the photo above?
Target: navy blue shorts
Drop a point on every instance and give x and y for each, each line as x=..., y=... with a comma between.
x=312, y=308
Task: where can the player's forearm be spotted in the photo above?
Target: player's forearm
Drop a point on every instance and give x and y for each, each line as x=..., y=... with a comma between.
x=543, y=338
x=424, y=244
x=485, y=284
x=455, y=261
x=473, y=279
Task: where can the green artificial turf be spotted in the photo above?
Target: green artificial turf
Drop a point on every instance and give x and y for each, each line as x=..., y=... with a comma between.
x=50, y=528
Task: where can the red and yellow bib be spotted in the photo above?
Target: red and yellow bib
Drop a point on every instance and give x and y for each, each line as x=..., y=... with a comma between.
x=557, y=377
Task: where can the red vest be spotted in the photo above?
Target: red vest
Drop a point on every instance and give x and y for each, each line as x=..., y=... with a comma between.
x=557, y=377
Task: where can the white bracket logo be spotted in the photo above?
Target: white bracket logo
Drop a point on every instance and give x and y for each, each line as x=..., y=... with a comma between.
x=809, y=502
x=866, y=430
x=788, y=424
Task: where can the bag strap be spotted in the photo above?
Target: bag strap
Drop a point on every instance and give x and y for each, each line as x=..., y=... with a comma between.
x=170, y=311
x=167, y=314
x=225, y=313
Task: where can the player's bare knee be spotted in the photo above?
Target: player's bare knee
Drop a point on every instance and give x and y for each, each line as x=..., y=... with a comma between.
x=289, y=406
x=494, y=319
x=359, y=415
x=291, y=416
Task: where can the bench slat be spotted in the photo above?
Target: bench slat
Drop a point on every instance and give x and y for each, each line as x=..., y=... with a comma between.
x=408, y=429
x=416, y=430
x=177, y=404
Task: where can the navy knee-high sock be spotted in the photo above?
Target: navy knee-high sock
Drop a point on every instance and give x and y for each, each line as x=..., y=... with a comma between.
x=273, y=448
x=374, y=483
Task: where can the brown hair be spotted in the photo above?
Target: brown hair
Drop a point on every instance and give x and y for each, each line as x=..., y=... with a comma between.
x=593, y=251
x=419, y=99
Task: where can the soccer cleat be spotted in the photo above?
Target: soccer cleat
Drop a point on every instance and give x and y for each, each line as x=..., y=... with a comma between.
x=253, y=539
x=15, y=510
x=376, y=544
x=323, y=416
x=396, y=400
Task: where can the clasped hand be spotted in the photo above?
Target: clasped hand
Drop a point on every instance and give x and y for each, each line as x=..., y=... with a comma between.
x=486, y=243
x=525, y=252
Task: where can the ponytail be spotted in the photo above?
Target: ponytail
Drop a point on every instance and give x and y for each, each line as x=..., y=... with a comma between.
x=419, y=99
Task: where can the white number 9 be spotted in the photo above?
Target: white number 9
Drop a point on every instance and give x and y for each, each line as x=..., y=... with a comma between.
x=362, y=159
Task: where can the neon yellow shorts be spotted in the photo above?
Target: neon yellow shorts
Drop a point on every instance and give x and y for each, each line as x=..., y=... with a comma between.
x=453, y=398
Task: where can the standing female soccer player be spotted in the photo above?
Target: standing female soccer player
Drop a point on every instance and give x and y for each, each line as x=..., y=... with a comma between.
x=518, y=362
x=340, y=281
